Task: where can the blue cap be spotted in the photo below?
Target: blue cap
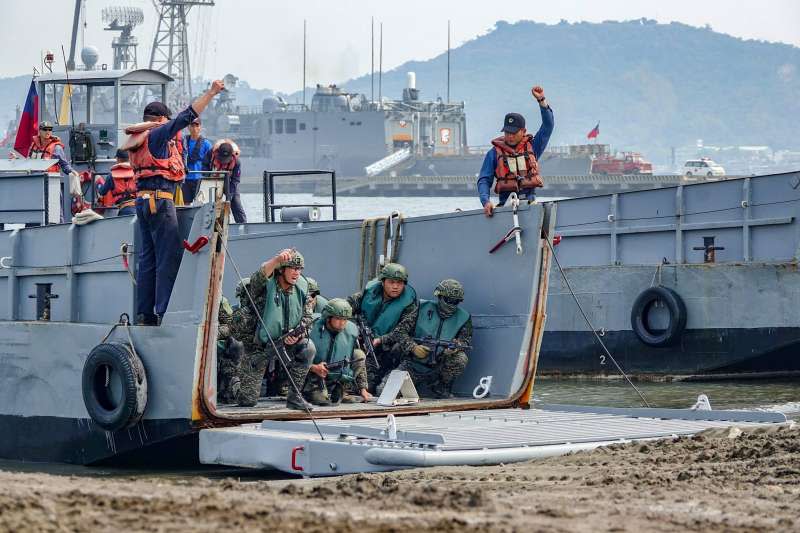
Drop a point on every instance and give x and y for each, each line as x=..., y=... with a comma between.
x=513, y=123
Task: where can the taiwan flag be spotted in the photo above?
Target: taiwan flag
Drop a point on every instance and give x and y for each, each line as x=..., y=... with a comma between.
x=28, y=122
x=594, y=133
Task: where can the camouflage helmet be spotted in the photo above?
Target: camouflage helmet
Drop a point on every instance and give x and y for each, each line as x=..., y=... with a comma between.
x=295, y=261
x=313, y=286
x=240, y=289
x=337, y=307
x=393, y=271
x=450, y=289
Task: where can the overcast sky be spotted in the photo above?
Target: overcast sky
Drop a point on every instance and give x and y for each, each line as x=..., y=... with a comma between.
x=261, y=41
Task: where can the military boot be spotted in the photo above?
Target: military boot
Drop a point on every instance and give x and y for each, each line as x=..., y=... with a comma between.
x=298, y=403
x=442, y=391
x=318, y=397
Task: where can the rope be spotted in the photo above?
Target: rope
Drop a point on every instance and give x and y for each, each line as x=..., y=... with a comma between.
x=271, y=340
x=589, y=323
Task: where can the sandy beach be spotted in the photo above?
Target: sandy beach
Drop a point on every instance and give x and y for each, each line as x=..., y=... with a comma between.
x=721, y=480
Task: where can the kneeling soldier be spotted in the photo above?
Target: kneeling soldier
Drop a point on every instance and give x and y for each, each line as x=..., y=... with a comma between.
x=229, y=355
x=442, y=337
x=314, y=293
x=339, y=367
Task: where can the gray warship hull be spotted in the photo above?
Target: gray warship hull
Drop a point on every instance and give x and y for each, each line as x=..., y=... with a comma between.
x=741, y=317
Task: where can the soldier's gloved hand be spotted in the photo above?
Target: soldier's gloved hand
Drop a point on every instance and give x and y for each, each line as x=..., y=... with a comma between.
x=420, y=352
x=75, y=184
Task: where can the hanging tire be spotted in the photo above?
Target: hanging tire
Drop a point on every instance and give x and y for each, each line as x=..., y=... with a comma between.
x=641, y=311
x=114, y=386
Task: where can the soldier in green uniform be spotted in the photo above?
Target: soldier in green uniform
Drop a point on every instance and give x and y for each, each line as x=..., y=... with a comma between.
x=442, y=320
x=313, y=292
x=388, y=305
x=339, y=367
x=243, y=328
x=229, y=355
x=283, y=307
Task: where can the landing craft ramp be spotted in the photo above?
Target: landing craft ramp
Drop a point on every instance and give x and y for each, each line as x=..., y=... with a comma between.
x=481, y=437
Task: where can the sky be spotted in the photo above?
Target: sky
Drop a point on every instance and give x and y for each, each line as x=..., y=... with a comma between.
x=262, y=41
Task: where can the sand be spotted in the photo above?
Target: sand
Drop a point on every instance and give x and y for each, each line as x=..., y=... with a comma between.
x=716, y=481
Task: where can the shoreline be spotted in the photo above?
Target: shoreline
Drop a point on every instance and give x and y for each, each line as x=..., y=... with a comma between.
x=719, y=480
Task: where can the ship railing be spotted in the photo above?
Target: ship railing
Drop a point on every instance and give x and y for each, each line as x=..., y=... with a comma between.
x=270, y=205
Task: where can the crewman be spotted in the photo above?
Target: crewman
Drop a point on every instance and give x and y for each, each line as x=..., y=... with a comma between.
x=224, y=156
x=442, y=337
x=119, y=188
x=155, y=155
x=388, y=306
x=45, y=145
x=285, y=308
x=335, y=339
x=195, y=149
x=314, y=293
x=513, y=160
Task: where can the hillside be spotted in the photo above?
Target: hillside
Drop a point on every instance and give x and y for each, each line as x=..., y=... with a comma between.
x=651, y=86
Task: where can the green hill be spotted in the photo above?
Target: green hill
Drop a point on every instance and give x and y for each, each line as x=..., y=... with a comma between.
x=651, y=86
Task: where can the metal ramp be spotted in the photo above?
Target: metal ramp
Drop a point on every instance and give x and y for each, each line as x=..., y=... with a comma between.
x=481, y=437
x=391, y=160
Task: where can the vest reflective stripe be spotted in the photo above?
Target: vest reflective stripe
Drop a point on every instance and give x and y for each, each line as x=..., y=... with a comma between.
x=145, y=165
x=45, y=151
x=282, y=311
x=332, y=348
x=430, y=324
x=517, y=168
x=382, y=316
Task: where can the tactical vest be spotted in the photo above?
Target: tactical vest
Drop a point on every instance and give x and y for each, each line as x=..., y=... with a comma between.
x=144, y=164
x=45, y=150
x=124, y=191
x=282, y=310
x=382, y=316
x=332, y=348
x=517, y=168
x=430, y=324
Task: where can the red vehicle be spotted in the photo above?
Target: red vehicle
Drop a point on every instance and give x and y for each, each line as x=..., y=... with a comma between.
x=624, y=163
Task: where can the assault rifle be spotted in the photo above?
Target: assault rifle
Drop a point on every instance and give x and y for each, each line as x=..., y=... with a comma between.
x=297, y=331
x=437, y=344
x=365, y=332
x=343, y=367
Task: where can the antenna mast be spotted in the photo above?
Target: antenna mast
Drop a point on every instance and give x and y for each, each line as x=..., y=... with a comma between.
x=372, y=54
x=448, y=61
x=170, y=52
x=123, y=19
x=304, y=62
x=380, y=68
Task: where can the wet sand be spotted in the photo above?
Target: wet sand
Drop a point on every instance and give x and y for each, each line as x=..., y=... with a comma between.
x=722, y=480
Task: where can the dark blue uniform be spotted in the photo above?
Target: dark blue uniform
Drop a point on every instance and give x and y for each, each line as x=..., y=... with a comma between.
x=161, y=245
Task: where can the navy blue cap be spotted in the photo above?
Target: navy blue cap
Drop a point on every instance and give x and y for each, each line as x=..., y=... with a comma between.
x=123, y=155
x=513, y=123
x=157, y=109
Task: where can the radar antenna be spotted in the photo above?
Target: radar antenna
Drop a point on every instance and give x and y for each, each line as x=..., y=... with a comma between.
x=170, y=52
x=123, y=19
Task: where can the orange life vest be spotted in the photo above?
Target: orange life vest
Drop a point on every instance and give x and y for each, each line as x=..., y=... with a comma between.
x=517, y=168
x=216, y=164
x=44, y=150
x=124, y=192
x=144, y=164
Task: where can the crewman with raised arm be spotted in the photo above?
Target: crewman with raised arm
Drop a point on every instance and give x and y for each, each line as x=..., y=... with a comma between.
x=513, y=161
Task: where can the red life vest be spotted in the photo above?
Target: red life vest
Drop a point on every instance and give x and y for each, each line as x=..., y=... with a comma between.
x=124, y=192
x=44, y=150
x=144, y=164
x=517, y=168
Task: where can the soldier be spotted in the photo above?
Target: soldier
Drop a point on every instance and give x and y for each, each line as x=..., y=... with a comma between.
x=314, y=293
x=335, y=340
x=432, y=368
x=229, y=355
x=388, y=306
x=283, y=307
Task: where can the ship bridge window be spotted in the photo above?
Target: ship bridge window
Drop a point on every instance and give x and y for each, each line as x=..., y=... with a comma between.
x=133, y=98
x=269, y=126
x=278, y=125
x=291, y=125
x=302, y=126
x=56, y=104
x=102, y=109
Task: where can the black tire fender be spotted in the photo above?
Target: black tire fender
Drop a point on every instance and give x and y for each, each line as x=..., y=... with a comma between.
x=677, y=316
x=107, y=361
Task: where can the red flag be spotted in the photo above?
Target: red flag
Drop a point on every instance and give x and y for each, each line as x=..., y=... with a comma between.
x=594, y=133
x=28, y=122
